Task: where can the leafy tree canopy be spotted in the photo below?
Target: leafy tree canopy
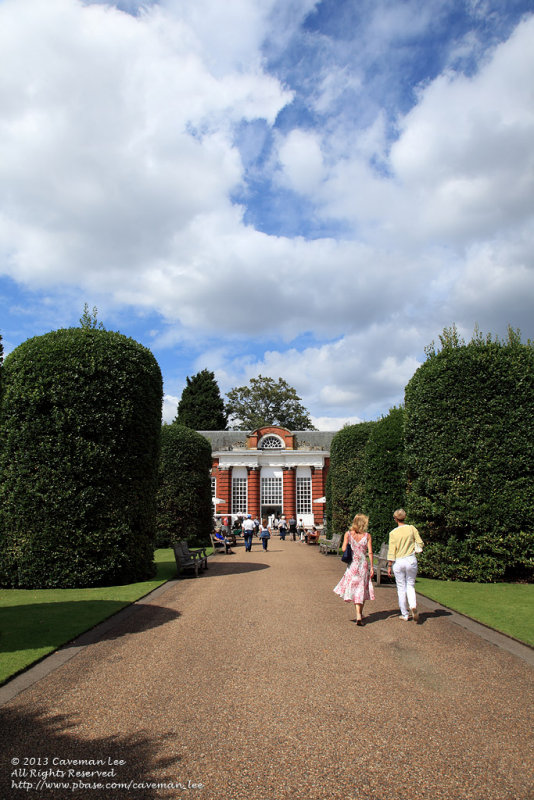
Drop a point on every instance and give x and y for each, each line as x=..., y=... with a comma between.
x=201, y=406
x=267, y=402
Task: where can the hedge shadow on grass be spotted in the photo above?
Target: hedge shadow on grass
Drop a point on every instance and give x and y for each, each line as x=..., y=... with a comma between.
x=66, y=622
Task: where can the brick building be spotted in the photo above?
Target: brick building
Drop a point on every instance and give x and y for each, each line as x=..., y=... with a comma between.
x=272, y=471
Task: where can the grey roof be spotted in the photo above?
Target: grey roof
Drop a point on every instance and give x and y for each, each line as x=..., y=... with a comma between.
x=237, y=440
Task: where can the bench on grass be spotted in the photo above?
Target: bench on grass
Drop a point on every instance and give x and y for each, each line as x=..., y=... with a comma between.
x=330, y=545
x=187, y=560
x=199, y=552
x=381, y=563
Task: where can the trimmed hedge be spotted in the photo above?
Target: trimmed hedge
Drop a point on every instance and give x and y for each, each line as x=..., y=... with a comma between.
x=81, y=418
x=470, y=459
x=184, y=505
x=345, y=495
x=384, y=474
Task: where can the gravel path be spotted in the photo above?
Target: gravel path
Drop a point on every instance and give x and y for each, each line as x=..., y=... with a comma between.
x=254, y=682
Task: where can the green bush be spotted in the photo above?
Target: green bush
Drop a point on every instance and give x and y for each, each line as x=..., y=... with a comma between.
x=81, y=417
x=470, y=457
x=184, y=506
x=345, y=494
x=384, y=474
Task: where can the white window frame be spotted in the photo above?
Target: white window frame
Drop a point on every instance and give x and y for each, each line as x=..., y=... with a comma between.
x=279, y=446
x=304, y=494
x=239, y=495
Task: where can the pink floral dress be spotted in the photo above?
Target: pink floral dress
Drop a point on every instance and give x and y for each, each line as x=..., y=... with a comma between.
x=355, y=586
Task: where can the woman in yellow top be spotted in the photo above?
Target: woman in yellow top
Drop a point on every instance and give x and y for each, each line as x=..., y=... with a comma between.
x=401, y=554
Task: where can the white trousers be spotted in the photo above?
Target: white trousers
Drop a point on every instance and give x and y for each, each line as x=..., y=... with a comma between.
x=405, y=571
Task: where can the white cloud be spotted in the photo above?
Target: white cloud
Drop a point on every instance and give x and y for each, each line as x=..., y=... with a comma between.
x=465, y=153
x=116, y=138
x=170, y=408
x=302, y=162
x=120, y=169
x=333, y=423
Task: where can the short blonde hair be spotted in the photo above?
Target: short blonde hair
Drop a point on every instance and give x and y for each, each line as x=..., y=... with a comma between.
x=399, y=514
x=360, y=523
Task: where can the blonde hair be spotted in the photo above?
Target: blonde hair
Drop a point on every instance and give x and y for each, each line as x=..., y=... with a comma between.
x=264, y=523
x=399, y=514
x=359, y=523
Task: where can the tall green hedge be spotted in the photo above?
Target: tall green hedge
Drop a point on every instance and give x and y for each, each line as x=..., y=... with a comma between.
x=470, y=458
x=184, y=507
x=345, y=494
x=79, y=442
x=384, y=474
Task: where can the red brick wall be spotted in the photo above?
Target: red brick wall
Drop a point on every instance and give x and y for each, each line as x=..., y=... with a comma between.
x=290, y=506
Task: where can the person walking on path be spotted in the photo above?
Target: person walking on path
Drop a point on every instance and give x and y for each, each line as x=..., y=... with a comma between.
x=404, y=542
x=248, y=533
x=265, y=533
x=293, y=528
x=355, y=586
x=282, y=529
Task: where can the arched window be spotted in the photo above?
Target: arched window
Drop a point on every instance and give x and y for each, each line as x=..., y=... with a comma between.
x=270, y=442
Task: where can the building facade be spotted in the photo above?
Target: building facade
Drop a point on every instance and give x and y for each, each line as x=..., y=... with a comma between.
x=272, y=471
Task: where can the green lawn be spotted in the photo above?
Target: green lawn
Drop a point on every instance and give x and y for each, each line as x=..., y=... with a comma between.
x=35, y=622
x=507, y=607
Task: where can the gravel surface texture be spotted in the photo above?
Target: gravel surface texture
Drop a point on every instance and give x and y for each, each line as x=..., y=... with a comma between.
x=252, y=682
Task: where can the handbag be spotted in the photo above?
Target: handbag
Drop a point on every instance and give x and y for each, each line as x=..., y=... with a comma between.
x=347, y=554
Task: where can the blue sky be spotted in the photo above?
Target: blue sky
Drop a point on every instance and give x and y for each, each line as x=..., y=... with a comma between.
x=293, y=188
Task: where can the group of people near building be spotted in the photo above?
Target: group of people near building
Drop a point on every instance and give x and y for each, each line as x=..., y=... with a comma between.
x=246, y=526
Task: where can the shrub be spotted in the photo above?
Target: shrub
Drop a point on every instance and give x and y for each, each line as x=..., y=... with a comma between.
x=345, y=482
x=184, y=506
x=470, y=456
x=384, y=474
x=81, y=416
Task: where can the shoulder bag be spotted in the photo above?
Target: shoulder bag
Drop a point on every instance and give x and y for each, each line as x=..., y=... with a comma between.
x=347, y=554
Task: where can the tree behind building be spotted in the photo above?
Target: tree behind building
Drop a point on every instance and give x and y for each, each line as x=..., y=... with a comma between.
x=267, y=402
x=201, y=406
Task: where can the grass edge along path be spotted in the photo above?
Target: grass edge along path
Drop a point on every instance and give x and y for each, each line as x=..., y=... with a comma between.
x=36, y=622
x=505, y=607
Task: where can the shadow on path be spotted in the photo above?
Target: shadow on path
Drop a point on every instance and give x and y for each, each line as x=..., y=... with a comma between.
x=227, y=567
x=42, y=747
x=376, y=616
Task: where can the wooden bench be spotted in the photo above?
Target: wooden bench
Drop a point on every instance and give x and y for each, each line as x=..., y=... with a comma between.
x=217, y=543
x=186, y=560
x=381, y=563
x=199, y=552
x=330, y=545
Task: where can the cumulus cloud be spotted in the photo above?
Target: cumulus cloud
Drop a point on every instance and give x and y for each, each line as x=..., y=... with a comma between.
x=138, y=146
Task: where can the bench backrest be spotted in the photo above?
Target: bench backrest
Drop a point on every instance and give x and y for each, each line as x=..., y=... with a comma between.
x=185, y=547
x=179, y=552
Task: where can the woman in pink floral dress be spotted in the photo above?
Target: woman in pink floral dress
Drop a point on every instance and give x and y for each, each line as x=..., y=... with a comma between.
x=355, y=586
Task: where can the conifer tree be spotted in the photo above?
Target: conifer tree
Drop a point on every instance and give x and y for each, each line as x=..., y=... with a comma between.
x=201, y=406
